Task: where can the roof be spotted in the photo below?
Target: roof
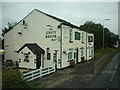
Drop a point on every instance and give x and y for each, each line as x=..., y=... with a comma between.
x=33, y=47
x=60, y=20
x=56, y=18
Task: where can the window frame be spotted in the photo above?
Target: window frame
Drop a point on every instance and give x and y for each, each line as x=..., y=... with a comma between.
x=76, y=35
x=70, y=36
x=82, y=52
x=26, y=58
x=82, y=37
x=70, y=57
x=48, y=56
x=90, y=38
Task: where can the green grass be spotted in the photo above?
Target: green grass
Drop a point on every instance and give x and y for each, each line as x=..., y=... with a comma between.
x=13, y=79
x=101, y=52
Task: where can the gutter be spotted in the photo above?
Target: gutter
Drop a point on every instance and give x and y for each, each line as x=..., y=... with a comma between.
x=60, y=27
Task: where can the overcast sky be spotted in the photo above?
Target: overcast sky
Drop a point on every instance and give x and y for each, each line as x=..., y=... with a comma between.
x=75, y=12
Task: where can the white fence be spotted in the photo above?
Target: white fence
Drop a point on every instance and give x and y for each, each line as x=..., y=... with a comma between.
x=29, y=76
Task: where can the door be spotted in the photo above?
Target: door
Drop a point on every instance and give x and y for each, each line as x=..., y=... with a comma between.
x=55, y=59
x=77, y=55
x=92, y=53
x=38, y=63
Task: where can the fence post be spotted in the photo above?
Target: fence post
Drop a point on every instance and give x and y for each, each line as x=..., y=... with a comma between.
x=48, y=70
x=40, y=72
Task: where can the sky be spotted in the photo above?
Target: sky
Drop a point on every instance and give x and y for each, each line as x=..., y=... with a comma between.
x=74, y=12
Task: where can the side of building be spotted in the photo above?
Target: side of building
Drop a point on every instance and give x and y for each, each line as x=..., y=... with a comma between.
x=60, y=40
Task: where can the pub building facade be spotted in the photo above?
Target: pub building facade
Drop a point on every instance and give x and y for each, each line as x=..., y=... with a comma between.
x=40, y=40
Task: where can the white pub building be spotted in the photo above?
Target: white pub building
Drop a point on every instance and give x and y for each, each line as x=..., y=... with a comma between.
x=42, y=40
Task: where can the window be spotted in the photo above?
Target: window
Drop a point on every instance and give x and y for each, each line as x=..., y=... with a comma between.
x=82, y=38
x=48, y=56
x=26, y=57
x=70, y=36
x=92, y=52
x=49, y=27
x=54, y=56
x=74, y=55
x=77, y=36
x=89, y=51
x=82, y=52
x=23, y=22
x=90, y=38
x=69, y=55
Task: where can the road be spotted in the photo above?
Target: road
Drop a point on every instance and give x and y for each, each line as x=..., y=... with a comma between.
x=108, y=78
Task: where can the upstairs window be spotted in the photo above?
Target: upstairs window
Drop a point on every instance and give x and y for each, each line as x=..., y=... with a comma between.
x=90, y=38
x=82, y=37
x=77, y=36
x=23, y=22
x=70, y=36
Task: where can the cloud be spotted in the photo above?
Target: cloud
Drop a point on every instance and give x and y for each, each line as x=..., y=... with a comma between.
x=74, y=12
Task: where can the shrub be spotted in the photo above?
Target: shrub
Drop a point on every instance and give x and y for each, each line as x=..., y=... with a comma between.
x=13, y=79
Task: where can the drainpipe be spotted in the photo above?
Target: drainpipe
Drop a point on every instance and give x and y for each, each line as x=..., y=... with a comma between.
x=60, y=27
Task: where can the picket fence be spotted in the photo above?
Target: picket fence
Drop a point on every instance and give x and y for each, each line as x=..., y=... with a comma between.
x=32, y=75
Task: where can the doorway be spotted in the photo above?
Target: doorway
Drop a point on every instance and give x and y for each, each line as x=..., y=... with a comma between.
x=38, y=62
x=55, y=59
x=77, y=51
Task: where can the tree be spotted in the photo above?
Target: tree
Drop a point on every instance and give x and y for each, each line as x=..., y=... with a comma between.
x=10, y=26
x=97, y=29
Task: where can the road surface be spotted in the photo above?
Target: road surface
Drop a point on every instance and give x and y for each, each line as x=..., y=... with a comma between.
x=108, y=78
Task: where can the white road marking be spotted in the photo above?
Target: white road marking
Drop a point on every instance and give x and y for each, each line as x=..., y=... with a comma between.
x=112, y=76
x=116, y=66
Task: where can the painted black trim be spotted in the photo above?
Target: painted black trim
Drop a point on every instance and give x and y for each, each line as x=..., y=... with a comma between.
x=36, y=49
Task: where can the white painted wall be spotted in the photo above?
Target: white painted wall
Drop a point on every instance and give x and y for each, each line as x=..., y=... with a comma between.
x=89, y=46
x=76, y=44
x=36, y=33
x=31, y=64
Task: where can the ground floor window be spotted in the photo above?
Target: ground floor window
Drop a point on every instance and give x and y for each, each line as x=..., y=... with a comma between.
x=92, y=52
x=74, y=55
x=48, y=56
x=69, y=55
x=89, y=51
x=26, y=58
x=82, y=52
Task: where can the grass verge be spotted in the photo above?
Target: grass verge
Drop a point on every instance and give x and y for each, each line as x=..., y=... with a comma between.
x=13, y=79
x=101, y=52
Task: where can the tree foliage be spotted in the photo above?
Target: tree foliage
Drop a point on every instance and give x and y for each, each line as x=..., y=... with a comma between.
x=6, y=29
x=97, y=29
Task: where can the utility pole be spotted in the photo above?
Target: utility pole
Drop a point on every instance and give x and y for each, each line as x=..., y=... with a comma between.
x=104, y=31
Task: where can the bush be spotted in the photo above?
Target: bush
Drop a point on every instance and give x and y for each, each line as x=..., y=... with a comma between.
x=13, y=79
